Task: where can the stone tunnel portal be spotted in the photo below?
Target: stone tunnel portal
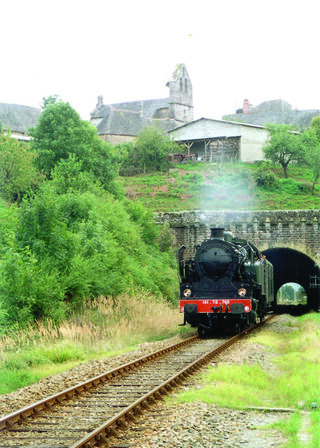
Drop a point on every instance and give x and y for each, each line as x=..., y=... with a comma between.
x=290, y=265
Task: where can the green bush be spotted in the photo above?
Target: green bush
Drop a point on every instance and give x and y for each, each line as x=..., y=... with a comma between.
x=265, y=178
x=293, y=187
x=18, y=175
x=76, y=245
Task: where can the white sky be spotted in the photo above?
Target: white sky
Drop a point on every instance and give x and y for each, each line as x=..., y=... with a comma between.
x=127, y=50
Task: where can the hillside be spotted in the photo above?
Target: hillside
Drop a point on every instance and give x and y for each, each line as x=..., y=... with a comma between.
x=194, y=185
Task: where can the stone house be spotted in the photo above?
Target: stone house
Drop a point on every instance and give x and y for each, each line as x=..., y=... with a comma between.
x=219, y=140
x=121, y=122
x=274, y=112
x=18, y=119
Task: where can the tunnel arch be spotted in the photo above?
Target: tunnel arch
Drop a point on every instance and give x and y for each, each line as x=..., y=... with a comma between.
x=290, y=265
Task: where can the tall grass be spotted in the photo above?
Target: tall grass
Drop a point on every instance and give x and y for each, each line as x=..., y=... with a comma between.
x=105, y=327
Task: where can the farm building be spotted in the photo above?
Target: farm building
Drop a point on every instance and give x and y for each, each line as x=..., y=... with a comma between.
x=218, y=140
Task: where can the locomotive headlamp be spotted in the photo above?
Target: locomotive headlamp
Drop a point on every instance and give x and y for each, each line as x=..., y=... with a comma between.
x=187, y=292
x=242, y=292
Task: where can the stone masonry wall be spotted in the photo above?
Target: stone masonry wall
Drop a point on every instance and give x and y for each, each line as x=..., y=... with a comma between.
x=296, y=229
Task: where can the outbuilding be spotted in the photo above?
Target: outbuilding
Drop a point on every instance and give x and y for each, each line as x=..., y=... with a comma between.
x=219, y=140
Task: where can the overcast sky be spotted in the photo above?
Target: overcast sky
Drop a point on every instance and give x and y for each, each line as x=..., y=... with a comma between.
x=127, y=50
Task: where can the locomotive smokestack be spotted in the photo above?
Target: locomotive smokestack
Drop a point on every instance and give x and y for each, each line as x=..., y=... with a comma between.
x=217, y=233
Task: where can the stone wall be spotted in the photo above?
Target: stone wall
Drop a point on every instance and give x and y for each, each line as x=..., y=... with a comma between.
x=296, y=229
x=252, y=141
x=118, y=139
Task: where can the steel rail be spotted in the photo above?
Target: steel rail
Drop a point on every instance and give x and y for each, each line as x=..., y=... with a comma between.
x=35, y=409
x=99, y=437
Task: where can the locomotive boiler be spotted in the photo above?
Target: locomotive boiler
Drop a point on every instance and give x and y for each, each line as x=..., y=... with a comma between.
x=227, y=285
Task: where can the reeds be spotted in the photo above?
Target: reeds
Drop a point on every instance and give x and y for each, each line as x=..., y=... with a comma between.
x=100, y=320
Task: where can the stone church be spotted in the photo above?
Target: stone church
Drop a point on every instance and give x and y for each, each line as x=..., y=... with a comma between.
x=121, y=122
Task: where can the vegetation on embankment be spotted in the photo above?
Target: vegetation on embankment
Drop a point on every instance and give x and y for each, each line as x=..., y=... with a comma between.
x=72, y=235
x=102, y=328
x=293, y=382
x=241, y=186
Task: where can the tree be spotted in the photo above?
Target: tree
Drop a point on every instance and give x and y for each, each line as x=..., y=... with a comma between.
x=315, y=126
x=285, y=146
x=152, y=148
x=18, y=175
x=313, y=160
x=61, y=132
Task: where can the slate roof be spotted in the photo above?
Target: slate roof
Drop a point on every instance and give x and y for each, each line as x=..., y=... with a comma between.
x=147, y=107
x=18, y=118
x=276, y=112
x=130, y=117
x=300, y=118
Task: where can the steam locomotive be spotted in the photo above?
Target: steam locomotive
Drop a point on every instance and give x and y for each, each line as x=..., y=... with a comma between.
x=227, y=285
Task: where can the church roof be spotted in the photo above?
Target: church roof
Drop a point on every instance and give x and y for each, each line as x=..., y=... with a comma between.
x=128, y=118
x=18, y=118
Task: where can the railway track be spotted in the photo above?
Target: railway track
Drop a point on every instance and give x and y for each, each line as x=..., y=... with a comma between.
x=89, y=414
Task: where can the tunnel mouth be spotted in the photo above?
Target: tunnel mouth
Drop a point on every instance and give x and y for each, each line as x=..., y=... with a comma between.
x=291, y=299
x=293, y=266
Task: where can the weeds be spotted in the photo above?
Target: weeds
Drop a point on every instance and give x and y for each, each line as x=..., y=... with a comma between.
x=105, y=327
x=195, y=185
x=294, y=382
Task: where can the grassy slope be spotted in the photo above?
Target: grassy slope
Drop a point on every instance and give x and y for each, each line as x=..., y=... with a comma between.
x=231, y=186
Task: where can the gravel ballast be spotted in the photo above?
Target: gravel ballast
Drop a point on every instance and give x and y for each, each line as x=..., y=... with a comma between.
x=178, y=425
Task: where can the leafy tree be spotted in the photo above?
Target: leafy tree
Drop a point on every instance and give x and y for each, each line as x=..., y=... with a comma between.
x=315, y=126
x=284, y=146
x=148, y=153
x=18, y=175
x=61, y=132
x=288, y=292
x=313, y=160
x=152, y=148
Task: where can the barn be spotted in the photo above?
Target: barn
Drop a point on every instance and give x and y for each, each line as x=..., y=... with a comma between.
x=220, y=140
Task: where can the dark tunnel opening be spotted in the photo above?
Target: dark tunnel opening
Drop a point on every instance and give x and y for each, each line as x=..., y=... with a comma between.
x=292, y=266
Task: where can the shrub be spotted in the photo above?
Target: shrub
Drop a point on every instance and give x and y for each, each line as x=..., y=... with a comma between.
x=80, y=245
x=293, y=187
x=18, y=174
x=265, y=178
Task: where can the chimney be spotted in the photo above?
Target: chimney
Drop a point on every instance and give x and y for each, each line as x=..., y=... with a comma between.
x=217, y=232
x=100, y=102
x=246, y=106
